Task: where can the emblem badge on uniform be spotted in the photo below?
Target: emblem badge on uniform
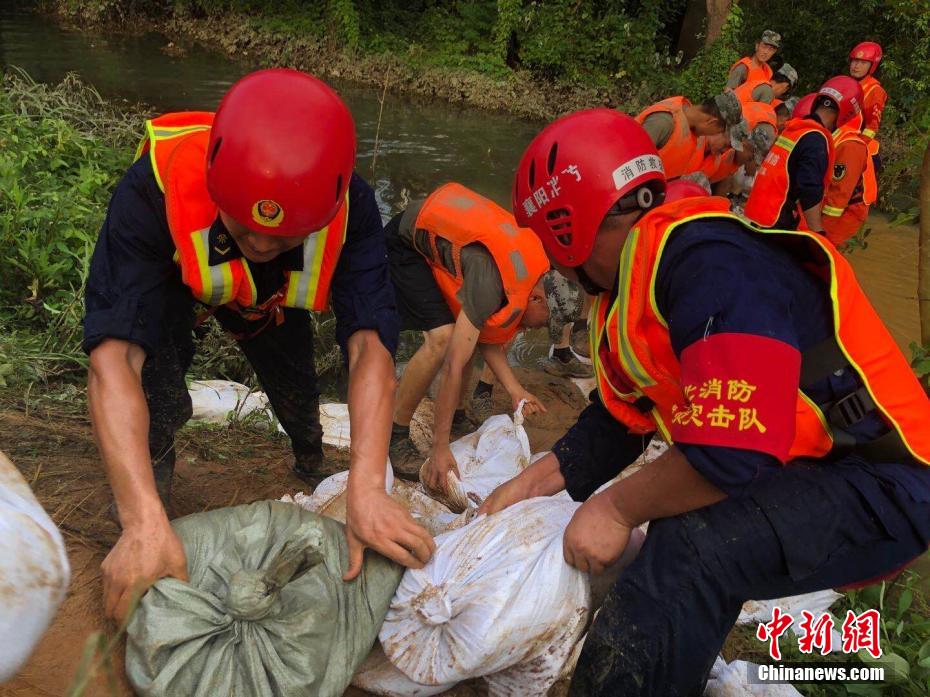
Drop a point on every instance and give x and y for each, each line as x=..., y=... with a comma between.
x=839, y=171
x=267, y=213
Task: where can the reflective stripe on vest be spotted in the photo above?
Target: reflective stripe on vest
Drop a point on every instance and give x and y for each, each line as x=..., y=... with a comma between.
x=770, y=188
x=462, y=217
x=869, y=87
x=867, y=180
x=684, y=151
x=176, y=144
x=638, y=372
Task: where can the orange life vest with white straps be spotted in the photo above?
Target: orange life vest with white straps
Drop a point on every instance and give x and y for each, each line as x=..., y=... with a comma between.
x=177, y=146
x=638, y=373
x=684, y=151
x=462, y=217
x=770, y=188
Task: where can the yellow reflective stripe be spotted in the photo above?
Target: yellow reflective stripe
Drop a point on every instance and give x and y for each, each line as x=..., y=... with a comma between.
x=832, y=211
x=785, y=143
x=818, y=412
x=293, y=281
x=868, y=133
x=319, y=253
x=175, y=131
x=625, y=352
x=834, y=298
x=150, y=135
x=203, y=265
x=251, y=281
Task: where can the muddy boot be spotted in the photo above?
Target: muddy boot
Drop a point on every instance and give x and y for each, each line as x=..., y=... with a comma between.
x=309, y=466
x=463, y=424
x=566, y=367
x=481, y=409
x=405, y=458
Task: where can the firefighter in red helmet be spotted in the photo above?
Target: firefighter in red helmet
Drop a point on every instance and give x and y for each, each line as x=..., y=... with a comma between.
x=797, y=452
x=864, y=60
x=255, y=213
x=789, y=188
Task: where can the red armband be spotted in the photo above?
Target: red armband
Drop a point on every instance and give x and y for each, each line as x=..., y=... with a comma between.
x=740, y=391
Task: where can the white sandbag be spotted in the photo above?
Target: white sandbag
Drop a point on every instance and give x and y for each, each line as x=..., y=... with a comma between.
x=496, y=600
x=215, y=401
x=816, y=603
x=378, y=676
x=329, y=499
x=495, y=453
x=732, y=680
x=34, y=570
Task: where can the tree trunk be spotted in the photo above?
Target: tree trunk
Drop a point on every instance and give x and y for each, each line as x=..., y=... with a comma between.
x=923, y=263
x=717, y=11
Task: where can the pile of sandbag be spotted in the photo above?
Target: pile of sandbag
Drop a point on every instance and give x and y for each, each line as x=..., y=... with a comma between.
x=34, y=570
x=497, y=599
x=265, y=611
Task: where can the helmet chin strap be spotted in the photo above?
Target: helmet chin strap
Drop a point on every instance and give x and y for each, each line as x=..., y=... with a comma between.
x=589, y=286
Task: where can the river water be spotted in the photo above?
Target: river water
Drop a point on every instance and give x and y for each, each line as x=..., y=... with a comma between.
x=420, y=143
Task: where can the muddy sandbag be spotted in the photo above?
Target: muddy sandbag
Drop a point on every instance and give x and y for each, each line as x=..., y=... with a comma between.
x=265, y=612
x=34, y=570
x=496, y=600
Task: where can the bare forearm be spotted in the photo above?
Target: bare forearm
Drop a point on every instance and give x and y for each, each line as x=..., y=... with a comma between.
x=666, y=487
x=813, y=218
x=543, y=477
x=120, y=418
x=496, y=358
x=371, y=403
x=450, y=387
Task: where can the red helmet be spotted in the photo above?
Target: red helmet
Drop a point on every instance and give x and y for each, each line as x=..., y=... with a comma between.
x=576, y=170
x=804, y=106
x=867, y=51
x=281, y=153
x=683, y=188
x=842, y=93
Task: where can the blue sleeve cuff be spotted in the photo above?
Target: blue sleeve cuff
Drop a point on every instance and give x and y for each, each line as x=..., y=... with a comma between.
x=729, y=469
x=595, y=450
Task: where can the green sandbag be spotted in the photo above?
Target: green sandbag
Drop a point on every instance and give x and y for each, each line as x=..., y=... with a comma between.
x=266, y=613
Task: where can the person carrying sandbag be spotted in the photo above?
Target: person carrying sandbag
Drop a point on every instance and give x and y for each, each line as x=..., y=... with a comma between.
x=255, y=212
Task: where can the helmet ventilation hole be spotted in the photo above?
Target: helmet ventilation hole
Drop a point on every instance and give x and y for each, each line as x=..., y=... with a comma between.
x=216, y=149
x=338, y=188
x=532, y=174
x=550, y=163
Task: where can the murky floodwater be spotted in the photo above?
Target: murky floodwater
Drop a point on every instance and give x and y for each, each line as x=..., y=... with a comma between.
x=420, y=144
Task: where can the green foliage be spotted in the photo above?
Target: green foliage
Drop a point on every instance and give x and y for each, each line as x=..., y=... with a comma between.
x=705, y=74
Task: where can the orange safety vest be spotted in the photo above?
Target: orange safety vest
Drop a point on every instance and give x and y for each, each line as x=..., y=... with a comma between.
x=177, y=146
x=684, y=151
x=638, y=373
x=462, y=217
x=873, y=104
x=754, y=75
x=757, y=113
x=770, y=189
x=845, y=222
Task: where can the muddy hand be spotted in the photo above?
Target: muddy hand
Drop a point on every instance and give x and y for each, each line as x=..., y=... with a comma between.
x=596, y=536
x=375, y=520
x=143, y=554
x=504, y=496
x=435, y=471
x=533, y=404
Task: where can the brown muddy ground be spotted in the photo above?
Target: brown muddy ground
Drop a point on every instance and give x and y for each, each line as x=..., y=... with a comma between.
x=51, y=443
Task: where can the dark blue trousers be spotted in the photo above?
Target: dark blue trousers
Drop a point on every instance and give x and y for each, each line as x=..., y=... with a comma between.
x=807, y=527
